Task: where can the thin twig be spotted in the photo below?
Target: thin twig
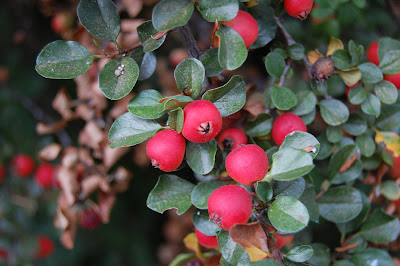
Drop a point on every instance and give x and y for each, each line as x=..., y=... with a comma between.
x=189, y=41
x=283, y=76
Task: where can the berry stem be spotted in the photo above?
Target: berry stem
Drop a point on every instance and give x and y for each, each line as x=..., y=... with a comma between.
x=180, y=94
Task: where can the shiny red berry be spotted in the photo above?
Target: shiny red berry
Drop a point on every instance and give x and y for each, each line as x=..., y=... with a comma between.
x=298, y=8
x=231, y=138
x=166, y=150
x=394, y=171
x=395, y=79
x=44, y=175
x=45, y=247
x=90, y=219
x=372, y=53
x=246, y=26
x=22, y=165
x=205, y=240
x=285, y=124
x=282, y=241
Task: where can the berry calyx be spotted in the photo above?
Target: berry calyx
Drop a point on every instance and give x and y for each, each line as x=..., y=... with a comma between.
x=247, y=164
x=229, y=205
x=231, y=139
x=202, y=121
x=90, y=219
x=298, y=8
x=246, y=26
x=166, y=150
x=395, y=79
x=285, y=124
x=372, y=53
x=22, y=165
x=205, y=240
x=394, y=171
x=45, y=247
x=44, y=175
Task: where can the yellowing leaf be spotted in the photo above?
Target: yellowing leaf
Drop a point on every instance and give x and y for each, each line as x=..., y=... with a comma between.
x=313, y=56
x=350, y=76
x=334, y=44
x=391, y=141
x=191, y=243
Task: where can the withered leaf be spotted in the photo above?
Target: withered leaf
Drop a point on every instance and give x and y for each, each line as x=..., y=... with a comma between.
x=50, y=152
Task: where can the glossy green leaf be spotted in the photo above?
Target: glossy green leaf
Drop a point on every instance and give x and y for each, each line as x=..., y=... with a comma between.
x=340, y=157
x=334, y=134
x=292, y=188
x=232, y=252
x=309, y=118
x=169, y=14
x=390, y=63
x=321, y=255
x=390, y=117
x=63, y=60
x=264, y=191
x=370, y=73
x=146, y=32
x=175, y=119
x=372, y=256
x=283, y=98
x=386, y=92
x=296, y=51
x=341, y=59
x=300, y=253
x=118, y=77
x=380, y=227
x=232, y=52
x=201, y=220
x=309, y=200
x=100, y=18
x=202, y=192
x=366, y=144
x=356, y=52
x=147, y=62
x=326, y=148
x=223, y=10
x=355, y=223
x=350, y=174
x=209, y=59
x=266, y=262
x=265, y=17
x=201, y=156
x=357, y=94
x=275, y=64
x=390, y=190
x=288, y=215
x=128, y=130
x=355, y=125
x=334, y=112
x=300, y=140
x=260, y=126
x=306, y=102
x=371, y=105
x=189, y=76
x=387, y=44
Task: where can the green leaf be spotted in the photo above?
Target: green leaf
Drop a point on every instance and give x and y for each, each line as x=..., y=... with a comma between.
x=334, y=112
x=175, y=119
x=266, y=262
x=201, y=220
x=118, y=77
x=232, y=252
x=390, y=117
x=356, y=125
x=146, y=32
x=309, y=118
x=169, y=14
x=380, y=227
x=292, y=188
x=309, y=200
x=147, y=62
x=321, y=255
x=370, y=73
x=343, y=263
x=349, y=76
x=283, y=98
x=350, y=174
x=339, y=158
x=341, y=59
x=288, y=215
x=260, y=126
x=265, y=17
x=334, y=134
x=201, y=156
x=128, y=130
x=356, y=52
x=300, y=140
x=264, y=191
x=371, y=105
x=386, y=92
x=340, y=204
x=210, y=62
x=300, y=253
x=326, y=148
x=352, y=225
x=275, y=64
x=228, y=98
x=366, y=144
x=390, y=190
x=231, y=52
x=359, y=3
x=182, y=258
x=170, y=192
x=306, y=102
x=63, y=60
x=387, y=44
x=390, y=64
x=100, y=18
x=289, y=163
x=202, y=192
x=296, y=51
x=223, y=10
x=357, y=94
x=189, y=76
x=372, y=256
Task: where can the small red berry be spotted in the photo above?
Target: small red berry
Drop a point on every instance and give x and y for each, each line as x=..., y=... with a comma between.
x=349, y=88
x=282, y=241
x=298, y=8
x=22, y=165
x=202, y=121
x=3, y=254
x=2, y=173
x=205, y=240
x=394, y=171
x=395, y=79
x=44, y=175
x=231, y=139
x=229, y=205
x=166, y=150
x=247, y=164
x=45, y=247
x=285, y=124
x=372, y=53
x=90, y=219
x=246, y=26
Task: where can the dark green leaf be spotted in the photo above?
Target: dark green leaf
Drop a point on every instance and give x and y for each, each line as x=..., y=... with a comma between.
x=341, y=157
x=390, y=190
x=380, y=227
x=265, y=17
x=275, y=64
x=63, y=60
x=321, y=255
x=387, y=44
x=182, y=258
x=129, y=130
x=366, y=144
x=260, y=126
x=300, y=140
x=118, y=77
x=201, y=220
x=146, y=32
x=201, y=156
x=350, y=174
x=169, y=14
x=100, y=18
x=386, y=92
x=232, y=252
x=202, y=192
x=264, y=191
x=326, y=148
x=390, y=117
x=292, y=188
x=170, y=192
x=283, y=98
x=356, y=125
x=147, y=62
x=334, y=134
x=223, y=10
x=189, y=76
x=175, y=119
x=300, y=253
x=355, y=51
x=266, y=262
x=210, y=62
x=309, y=200
x=352, y=225
x=296, y=51
x=357, y=94
x=372, y=256
x=309, y=118
x=390, y=64
x=343, y=263
x=342, y=59
x=306, y=102
x=231, y=52
x=334, y=112
x=371, y=105
x=370, y=73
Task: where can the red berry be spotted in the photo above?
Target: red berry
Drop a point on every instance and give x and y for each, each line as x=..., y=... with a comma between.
x=285, y=124
x=202, y=121
x=45, y=247
x=2, y=173
x=22, y=165
x=246, y=26
x=166, y=150
x=231, y=139
x=282, y=241
x=372, y=53
x=395, y=79
x=229, y=205
x=394, y=171
x=247, y=164
x=3, y=254
x=205, y=240
x=298, y=8
x=349, y=88
x=90, y=219
x=44, y=175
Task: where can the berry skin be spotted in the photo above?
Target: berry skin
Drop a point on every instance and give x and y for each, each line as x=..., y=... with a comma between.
x=202, y=121
x=2, y=173
x=166, y=150
x=229, y=205
x=22, y=165
x=246, y=26
x=45, y=247
x=282, y=241
x=298, y=8
x=395, y=79
x=394, y=171
x=205, y=240
x=90, y=219
x=247, y=164
x=44, y=175
x=285, y=124
x=231, y=139
x=372, y=53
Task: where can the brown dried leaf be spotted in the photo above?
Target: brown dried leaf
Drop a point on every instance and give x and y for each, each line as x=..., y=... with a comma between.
x=43, y=129
x=140, y=157
x=121, y=179
x=85, y=158
x=111, y=156
x=105, y=202
x=349, y=162
x=69, y=184
x=120, y=106
x=91, y=135
x=70, y=157
x=62, y=104
x=85, y=112
x=133, y=7
x=50, y=152
x=66, y=220
x=191, y=243
x=313, y=56
x=129, y=35
x=90, y=184
x=254, y=105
